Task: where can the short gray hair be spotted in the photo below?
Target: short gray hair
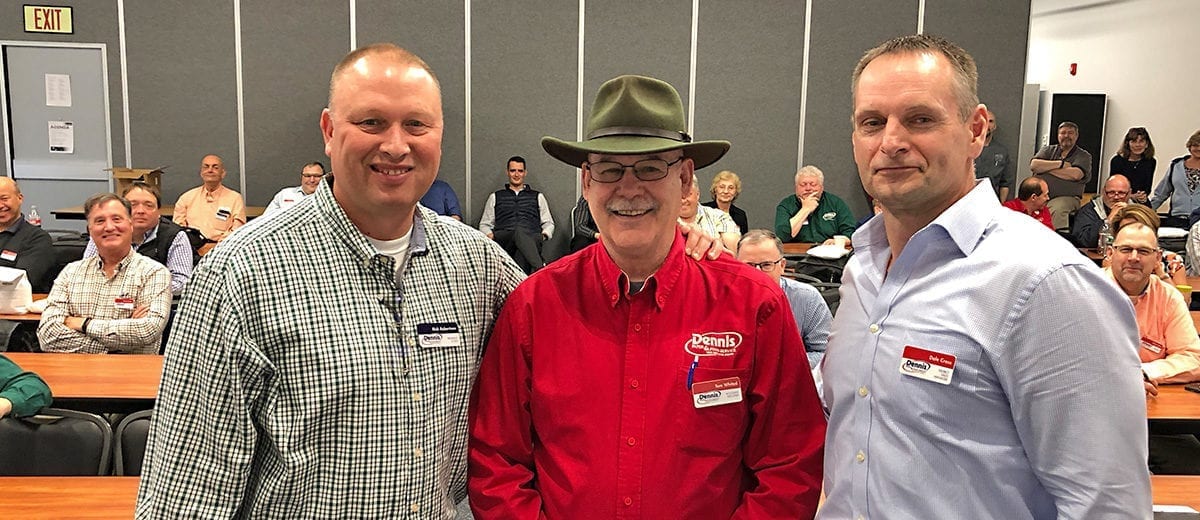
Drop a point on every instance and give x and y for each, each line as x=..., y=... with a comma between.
x=966, y=75
x=755, y=236
x=810, y=171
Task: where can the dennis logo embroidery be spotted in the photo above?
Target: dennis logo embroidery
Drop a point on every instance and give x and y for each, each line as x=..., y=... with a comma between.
x=713, y=344
x=915, y=367
x=829, y=216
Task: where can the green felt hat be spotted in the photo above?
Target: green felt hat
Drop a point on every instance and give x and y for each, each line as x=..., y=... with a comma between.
x=635, y=115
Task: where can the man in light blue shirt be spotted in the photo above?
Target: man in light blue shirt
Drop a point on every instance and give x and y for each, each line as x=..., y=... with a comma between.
x=958, y=385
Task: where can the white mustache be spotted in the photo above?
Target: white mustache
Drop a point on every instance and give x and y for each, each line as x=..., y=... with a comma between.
x=634, y=204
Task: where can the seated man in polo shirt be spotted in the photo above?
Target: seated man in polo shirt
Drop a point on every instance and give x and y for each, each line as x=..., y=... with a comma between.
x=116, y=301
x=812, y=215
x=518, y=218
x=310, y=177
x=156, y=237
x=1031, y=200
x=211, y=207
x=712, y=221
x=23, y=245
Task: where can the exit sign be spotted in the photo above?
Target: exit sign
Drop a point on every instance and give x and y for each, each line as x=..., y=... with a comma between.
x=48, y=19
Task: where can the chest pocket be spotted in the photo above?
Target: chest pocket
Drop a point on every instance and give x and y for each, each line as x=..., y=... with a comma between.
x=714, y=430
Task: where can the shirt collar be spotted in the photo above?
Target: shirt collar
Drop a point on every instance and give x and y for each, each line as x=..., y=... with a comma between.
x=16, y=225
x=659, y=285
x=344, y=229
x=965, y=222
x=120, y=265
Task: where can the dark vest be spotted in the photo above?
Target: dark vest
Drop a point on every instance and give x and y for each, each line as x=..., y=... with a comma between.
x=518, y=210
x=158, y=247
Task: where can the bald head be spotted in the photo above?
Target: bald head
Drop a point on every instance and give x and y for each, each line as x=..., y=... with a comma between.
x=392, y=54
x=10, y=202
x=1116, y=189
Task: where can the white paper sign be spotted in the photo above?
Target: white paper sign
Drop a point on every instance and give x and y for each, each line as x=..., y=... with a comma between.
x=58, y=90
x=62, y=137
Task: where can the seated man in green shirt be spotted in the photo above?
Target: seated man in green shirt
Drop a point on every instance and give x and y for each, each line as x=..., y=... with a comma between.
x=21, y=393
x=811, y=215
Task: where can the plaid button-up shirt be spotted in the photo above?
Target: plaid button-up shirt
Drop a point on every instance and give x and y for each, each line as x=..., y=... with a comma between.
x=297, y=383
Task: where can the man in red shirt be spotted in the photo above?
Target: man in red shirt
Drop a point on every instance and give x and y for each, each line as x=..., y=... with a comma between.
x=618, y=382
x=1031, y=200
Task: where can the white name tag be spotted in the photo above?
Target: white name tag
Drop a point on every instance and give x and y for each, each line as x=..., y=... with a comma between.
x=223, y=213
x=717, y=392
x=438, y=335
x=125, y=304
x=8, y=255
x=927, y=365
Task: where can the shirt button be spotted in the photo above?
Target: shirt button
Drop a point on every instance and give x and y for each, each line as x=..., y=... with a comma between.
x=861, y=517
x=628, y=501
x=862, y=391
x=417, y=396
x=418, y=453
x=874, y=328
x=415, y=507
x=631, y=441
x=860, y=457
x=637, y=327
x=633, y=383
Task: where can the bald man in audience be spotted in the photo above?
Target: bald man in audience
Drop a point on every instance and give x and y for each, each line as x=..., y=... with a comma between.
x=211, y=207
x=1090, y=218
x=1031, y=200
x=116, y=301
x=23, y=245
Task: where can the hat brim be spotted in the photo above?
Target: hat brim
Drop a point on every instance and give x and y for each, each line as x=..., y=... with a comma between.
x=574, y=153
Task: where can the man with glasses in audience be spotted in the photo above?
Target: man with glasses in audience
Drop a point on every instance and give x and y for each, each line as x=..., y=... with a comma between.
x=762, y=250
x=628, y=380
x=310, y=177
x=155, y=236
x=960, y=382
x=1090, y=218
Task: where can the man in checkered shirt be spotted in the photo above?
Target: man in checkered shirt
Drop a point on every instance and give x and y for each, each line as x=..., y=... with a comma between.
x=321, y=360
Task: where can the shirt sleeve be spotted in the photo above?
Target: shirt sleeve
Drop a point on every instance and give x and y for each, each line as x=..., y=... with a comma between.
x=202, y=441
x=784, y=446
x=36, y=258
x=584, y=225
x=181, y=208
x=452, y=207
x=500, y=453
x=1087, y=226
x=276, y=203
x=53, y=333
x=1163, y=190
x=845, y=219
x=783, y=224
x=488, y=220
x=1082, y=159
x=815, y=328
x=1078, y=360
x=26, y=391
x=237, y=217
x=133, y=334
x=179, y=262
x=1047, y=152
x=544, y=216
x=1182, y=364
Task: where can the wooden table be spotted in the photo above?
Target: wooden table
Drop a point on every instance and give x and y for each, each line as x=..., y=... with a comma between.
x=1176, y=490
x=1173, y=402
x=68, y=497
x=104, y=377
x=797, y=248
x=76, y=212
x=116, y=497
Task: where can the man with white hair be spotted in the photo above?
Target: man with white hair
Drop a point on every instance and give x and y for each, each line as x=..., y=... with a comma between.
x=812, y=215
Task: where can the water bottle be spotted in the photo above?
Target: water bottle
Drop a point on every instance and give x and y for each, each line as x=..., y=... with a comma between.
x=34, y=218
x=1106, y=237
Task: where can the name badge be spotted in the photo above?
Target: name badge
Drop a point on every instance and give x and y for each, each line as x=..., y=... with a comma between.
x=8, y=255
x=438, y=335
x=223, y=213
x=717, y=392
x=1153, y=346
x=125, y=304
x=927, y=365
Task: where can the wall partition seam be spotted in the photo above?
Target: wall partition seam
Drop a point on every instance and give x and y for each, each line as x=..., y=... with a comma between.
x=921, y=17
x=579, y=92
x=353, y=24
x=241, y=109
x=124, y=84
x=804, y=82
x=691, y=119
x=470, y=215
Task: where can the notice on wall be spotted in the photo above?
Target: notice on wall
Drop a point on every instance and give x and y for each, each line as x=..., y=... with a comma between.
x=58, y=90
x=62, y=137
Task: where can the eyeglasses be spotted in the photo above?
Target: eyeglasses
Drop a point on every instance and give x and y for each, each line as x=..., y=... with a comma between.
x=312, y=175
x=1141, y=251
x=764, y=266
x=1114, y=193
x=644, y=170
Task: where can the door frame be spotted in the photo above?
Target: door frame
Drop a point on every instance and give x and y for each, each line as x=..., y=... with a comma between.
x=4, y=116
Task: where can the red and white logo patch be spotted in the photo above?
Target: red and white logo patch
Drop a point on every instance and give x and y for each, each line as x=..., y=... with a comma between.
x=713, y=344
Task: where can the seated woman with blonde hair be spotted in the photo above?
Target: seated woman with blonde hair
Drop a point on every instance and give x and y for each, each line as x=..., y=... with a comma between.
x=726, y=186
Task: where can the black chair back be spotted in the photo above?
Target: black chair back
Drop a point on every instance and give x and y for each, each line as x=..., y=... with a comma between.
x=131, y=434
x=55, y=442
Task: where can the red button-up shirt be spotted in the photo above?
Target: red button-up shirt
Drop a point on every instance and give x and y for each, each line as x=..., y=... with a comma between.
x=582, y=408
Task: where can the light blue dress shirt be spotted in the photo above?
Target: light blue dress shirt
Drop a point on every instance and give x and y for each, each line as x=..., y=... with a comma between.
x=811, y=314
x=1044, y=415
